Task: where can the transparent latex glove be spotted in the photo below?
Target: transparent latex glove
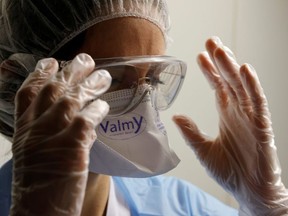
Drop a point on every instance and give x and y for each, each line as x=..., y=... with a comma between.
x=56, y=113
x=242, y=158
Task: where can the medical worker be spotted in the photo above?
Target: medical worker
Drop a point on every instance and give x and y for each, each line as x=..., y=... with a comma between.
x=82, y=84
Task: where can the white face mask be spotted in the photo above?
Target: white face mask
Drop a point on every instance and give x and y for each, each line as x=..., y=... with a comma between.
x=132, y=145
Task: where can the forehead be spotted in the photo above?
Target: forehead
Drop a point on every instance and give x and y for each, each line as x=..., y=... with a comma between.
x=127, y=36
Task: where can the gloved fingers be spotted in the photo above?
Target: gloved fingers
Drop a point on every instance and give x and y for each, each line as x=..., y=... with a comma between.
x=92, y=87
x=212, y=45
x=71, y=98
x=56, y=118
x=87, y=119
x=199, y=142
x=231, y=73
x=228, y=68
x=81, y=91
x=63, y=113
x=259, y=102
x=72, y=74
x=228, y=71
x=210, y=71
x=33, y=84
x=83, y=126
x=48, y=96
x=76, y=70
x=95, y=112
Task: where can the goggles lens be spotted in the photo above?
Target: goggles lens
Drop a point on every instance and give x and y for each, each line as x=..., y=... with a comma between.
x=134, y=77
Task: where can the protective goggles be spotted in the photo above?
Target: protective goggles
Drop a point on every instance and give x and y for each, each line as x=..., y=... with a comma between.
x=159, y=76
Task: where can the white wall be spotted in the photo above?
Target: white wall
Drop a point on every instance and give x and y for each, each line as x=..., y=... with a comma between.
x=257, y=32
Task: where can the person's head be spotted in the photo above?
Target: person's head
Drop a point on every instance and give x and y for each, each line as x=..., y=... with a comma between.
x=64, y=28
x=43, y=27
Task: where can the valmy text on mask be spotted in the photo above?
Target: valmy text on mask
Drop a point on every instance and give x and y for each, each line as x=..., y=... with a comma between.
x=133, y=125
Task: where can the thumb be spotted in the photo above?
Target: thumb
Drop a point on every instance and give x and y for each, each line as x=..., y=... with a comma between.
x=197, y=140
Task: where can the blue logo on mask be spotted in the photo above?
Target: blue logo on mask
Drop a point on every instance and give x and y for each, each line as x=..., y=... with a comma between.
x=123, y=127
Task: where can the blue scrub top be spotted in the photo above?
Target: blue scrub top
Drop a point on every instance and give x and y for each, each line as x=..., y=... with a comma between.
x=154, y=196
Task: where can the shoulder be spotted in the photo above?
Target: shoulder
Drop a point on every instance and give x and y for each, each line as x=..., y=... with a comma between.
x=173, y=196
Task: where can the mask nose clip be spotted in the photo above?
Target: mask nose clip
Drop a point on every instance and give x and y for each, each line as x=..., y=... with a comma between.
x=139, y=98
x=153, y=94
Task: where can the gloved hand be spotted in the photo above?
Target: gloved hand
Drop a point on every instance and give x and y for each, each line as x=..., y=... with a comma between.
x=56, y=116
x=242, y=158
